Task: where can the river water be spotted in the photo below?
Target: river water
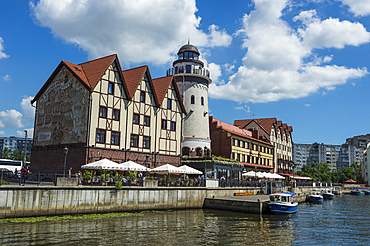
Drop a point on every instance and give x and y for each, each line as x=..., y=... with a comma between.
x=342, y=221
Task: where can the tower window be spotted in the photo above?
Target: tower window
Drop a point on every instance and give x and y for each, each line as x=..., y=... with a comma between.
x=188, y=68
x=168, y=103
x=202, y=101
x=192, y=99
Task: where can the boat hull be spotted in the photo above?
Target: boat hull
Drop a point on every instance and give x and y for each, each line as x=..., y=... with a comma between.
x=315, y=198
x=367, y=192
x=277, y=208
x=357, y=193
x=328, y=196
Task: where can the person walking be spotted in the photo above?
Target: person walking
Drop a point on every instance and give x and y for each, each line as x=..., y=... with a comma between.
x=79, y=178
x=24, y=173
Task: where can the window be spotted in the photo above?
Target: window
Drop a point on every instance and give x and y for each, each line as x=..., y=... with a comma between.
x=243, y=144
x=188, y=68
x=164, y=124
x=185, y=151
x=115, y=138
x=103, y=112
x=198, y=152
x=238, y=142
x=192, y=99
x=202, y=101
x=146, y=120
x=134, y=140
x=173, y=126
x=110, y=88
x=146, y=142
x=248, y=159
x=247, y=145
x=238, y=157
x=136, y=119
x=100, y=136
x=233, y=141
x=142, y=96
x=243, y=158
x=233, y=156
x=115, y=114
x=168, y=103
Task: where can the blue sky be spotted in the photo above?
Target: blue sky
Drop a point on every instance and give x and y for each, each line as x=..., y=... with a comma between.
x=303, y=62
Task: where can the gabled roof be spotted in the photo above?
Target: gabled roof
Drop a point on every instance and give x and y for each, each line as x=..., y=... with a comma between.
x=265, y=123
x=133, y=77
x=89, y=73
x=161, y=86
x=235, y=130
x=95, y=69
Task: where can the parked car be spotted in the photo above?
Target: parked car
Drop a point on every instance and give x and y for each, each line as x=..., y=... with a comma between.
x=6, y=172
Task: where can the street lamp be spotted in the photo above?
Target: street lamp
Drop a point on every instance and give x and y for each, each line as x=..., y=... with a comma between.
x=65, y=160
x=25, y=147
x=147, y=157
x=255, y=173
x=205, y=164
x=293, y=176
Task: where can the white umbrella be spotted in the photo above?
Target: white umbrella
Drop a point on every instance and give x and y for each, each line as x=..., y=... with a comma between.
x=249, y=174
x=190, y=170
x=104, y=164
x=277, y=176
x=167, y=168
x=133, y=166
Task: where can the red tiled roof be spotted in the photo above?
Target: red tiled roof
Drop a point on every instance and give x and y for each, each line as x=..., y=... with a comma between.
x=235, y=130
x=95, y=69
x=161, y=86
x=266, y=123
x=133, y=77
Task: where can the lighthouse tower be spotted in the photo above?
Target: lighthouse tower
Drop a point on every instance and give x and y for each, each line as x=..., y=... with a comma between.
x=193, y=80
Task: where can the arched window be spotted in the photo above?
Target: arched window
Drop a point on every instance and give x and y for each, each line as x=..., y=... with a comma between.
x=192, y=100
x=202, y=101
x=198, y=152
x=185, y=151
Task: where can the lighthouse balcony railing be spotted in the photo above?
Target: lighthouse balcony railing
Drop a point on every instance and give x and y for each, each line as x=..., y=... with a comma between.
x=188, y=70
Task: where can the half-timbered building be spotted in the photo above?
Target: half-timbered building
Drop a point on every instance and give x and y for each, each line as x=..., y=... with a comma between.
x=98, y=111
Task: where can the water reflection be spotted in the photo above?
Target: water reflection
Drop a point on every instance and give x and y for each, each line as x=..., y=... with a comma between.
x=338, y=222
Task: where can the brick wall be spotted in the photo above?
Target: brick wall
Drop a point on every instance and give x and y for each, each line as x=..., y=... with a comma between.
x=220, y=142
x=51, y=159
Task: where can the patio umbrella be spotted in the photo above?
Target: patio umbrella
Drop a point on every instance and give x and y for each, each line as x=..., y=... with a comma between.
x=249, y=174
x=350, y=181
x=277, y=176
x=167, y=168
x=104, y=164
x=190, y=170
x=133, y=166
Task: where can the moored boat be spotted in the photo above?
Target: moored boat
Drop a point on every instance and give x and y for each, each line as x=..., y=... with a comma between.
x=367, y=192
x=315, y=196
x=337, y=190
x=283, y=203
x=327, y=193
x=357, y=191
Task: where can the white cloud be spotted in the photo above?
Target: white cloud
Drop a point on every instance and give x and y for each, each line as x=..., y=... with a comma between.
x=280, y=63
x=358, y=7
x=11, y=118
x=330, y=32
x=244, y=108
x=28, y=110
x=2, y=54
x=2, y=133
x=307, y=105
x=7, y=78
x=150, y=31
x=29, y=133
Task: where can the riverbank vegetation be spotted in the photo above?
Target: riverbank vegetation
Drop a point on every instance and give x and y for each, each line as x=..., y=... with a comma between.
x=321, y=172
x=77, y=217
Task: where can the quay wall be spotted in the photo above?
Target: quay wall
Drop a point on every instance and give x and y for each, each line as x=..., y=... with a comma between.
x=20, y=201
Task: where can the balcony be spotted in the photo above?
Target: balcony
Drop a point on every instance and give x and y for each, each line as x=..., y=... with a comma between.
x=188, y=69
